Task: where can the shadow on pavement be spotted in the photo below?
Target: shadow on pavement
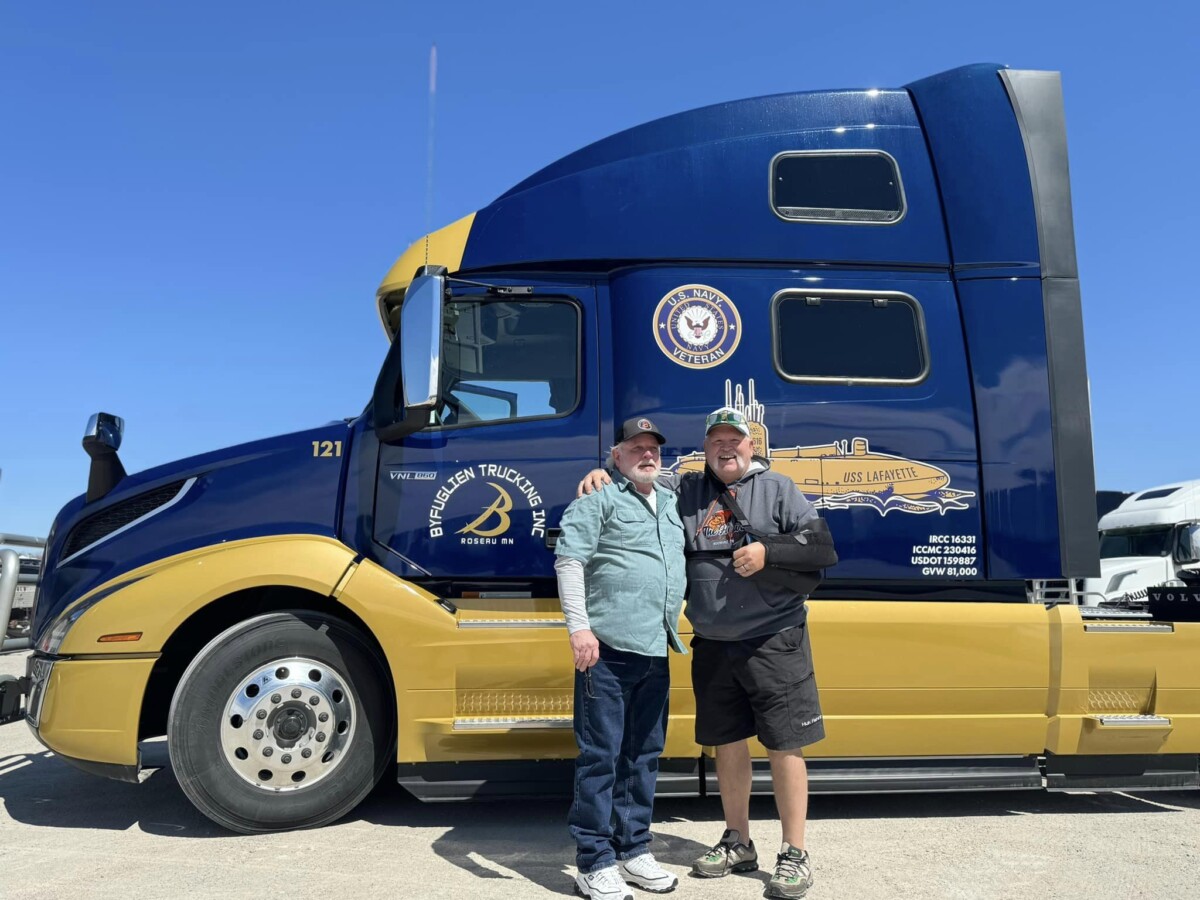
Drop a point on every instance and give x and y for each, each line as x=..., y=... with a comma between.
x=1185, y=799
x=40, y=790
x=982, y=803
x=514, y=839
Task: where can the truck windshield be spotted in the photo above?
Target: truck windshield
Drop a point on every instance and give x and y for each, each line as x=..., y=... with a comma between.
x=1154, y=541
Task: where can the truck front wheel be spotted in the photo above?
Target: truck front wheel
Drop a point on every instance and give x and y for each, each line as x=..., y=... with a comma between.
x=281, y=722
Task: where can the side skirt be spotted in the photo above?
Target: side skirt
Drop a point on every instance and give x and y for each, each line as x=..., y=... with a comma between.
x=440, y=782
x=697, y=777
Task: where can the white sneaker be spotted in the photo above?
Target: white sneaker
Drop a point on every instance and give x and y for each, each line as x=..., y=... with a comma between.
x=603, y=884
x=645, y=872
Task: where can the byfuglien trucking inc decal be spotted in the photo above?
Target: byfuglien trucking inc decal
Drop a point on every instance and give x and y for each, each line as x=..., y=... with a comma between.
x=491, y=496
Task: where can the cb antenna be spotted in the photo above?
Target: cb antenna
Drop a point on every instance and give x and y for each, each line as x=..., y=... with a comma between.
x=429, y=148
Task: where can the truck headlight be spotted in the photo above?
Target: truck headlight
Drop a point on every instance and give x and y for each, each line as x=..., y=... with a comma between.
x=54, y=636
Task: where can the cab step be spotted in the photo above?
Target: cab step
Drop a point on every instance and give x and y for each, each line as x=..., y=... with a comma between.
x=1122, y=720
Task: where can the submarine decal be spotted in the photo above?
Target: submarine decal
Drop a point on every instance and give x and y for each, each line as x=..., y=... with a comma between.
x=844, y=474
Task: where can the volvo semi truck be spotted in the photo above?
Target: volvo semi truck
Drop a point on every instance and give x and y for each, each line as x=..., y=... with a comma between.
x=1151, y=539
x=884, y=280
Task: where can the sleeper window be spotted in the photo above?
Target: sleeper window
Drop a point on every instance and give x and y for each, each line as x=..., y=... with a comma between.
x=860, y=187
x=861, y=338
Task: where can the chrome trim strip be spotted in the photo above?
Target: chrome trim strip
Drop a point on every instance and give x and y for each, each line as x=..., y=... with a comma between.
x=1113, y=614
x=1124, y=627
x=512, y=623
x=512, y=722
x=1133, y=721
x=187, y=485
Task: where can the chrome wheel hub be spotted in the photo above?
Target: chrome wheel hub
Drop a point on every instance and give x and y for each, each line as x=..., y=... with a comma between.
x=288, y=724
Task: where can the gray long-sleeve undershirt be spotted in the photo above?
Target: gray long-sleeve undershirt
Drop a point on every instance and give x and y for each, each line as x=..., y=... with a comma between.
x=572, y=594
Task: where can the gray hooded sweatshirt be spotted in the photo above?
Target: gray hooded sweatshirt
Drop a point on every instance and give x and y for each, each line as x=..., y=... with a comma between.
x=721, y=604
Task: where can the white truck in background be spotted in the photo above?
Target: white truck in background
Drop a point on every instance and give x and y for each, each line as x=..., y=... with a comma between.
x=1152, y=538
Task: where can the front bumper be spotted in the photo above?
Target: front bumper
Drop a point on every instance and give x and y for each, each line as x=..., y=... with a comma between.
x=87, y=710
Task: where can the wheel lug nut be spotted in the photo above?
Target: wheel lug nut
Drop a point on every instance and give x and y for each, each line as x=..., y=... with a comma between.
x=295, y=693
x=286, y=758
x=320, y=736
x=306, y=752
x=267, y=751
x=323, y=717
x=261, y=714
x=275, y=698
x=314, y=699
x=258, y=734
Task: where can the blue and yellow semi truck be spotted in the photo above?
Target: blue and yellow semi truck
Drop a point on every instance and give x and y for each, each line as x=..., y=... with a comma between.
x=884, y=280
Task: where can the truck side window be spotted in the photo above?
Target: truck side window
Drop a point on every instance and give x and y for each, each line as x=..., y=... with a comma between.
x=860, y=186
x=504, y=360
x=849, y=337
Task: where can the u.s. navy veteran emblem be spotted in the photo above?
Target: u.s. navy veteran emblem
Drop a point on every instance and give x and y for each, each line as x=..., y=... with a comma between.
x=697, y=326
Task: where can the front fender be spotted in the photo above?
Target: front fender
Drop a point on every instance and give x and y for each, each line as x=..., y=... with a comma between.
x=157, y=598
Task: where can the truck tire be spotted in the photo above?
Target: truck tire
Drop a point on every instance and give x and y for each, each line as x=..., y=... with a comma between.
x=281, y=722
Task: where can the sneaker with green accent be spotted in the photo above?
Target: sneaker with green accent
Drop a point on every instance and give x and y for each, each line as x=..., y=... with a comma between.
x=793, y=874
x=729, y=855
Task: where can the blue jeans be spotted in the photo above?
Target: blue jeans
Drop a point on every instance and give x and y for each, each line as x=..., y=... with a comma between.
x=620, y=725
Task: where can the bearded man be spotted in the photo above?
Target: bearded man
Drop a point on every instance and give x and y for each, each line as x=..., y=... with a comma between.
x=621, y=579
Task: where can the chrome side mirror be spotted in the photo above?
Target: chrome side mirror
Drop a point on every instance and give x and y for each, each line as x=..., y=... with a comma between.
x=101, y=440
x=409, y=384
x=421, y=339
x=104, y=430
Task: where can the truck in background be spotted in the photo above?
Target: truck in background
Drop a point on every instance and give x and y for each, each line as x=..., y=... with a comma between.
x=19, y=569
x=884, y=280
x=1152, y=538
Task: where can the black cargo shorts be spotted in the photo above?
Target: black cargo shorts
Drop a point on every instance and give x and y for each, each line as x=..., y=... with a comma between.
x=760, y=686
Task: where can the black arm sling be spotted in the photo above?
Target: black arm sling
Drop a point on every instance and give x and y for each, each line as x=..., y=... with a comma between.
x=793, y=560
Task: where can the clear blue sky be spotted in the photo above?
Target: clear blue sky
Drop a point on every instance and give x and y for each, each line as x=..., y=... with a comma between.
x=199, y=199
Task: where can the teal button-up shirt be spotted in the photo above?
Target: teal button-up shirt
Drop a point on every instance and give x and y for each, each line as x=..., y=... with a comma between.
x=634, y=571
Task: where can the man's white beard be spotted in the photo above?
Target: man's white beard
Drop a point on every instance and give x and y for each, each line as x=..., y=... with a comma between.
x=644, y=478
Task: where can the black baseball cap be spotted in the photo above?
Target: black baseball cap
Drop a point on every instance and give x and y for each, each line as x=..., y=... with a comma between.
x=638, y=425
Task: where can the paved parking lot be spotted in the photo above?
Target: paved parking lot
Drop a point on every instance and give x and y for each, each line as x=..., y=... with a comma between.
x=64, y=834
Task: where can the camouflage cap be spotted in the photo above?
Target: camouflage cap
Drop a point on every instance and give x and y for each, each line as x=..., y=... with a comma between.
x=727, y=415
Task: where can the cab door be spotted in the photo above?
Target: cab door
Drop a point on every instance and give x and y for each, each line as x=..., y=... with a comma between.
x=466, y=507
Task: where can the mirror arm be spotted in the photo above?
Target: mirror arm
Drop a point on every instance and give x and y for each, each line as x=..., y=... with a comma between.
x=415, y=418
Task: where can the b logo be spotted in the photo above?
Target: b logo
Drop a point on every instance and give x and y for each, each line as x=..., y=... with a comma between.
x=500, y=508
